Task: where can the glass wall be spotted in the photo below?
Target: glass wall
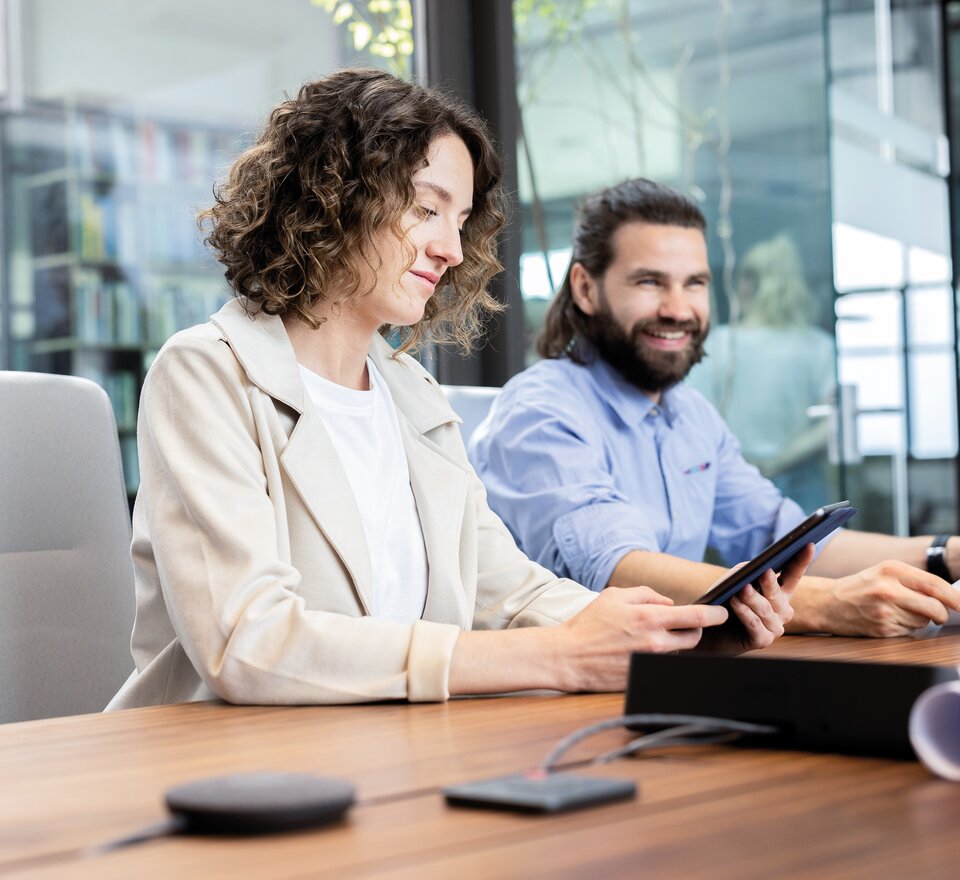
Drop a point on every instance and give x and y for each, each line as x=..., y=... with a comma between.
x=813, y=136
x=119, y=118
x=727, y=102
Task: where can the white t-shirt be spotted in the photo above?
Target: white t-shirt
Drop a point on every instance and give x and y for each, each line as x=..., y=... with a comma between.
x=366, y=434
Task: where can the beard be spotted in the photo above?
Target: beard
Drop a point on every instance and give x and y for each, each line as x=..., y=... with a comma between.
x=639, y=363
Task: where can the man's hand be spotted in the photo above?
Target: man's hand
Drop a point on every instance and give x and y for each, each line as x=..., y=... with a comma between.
x=761, y=615
x=888, y=599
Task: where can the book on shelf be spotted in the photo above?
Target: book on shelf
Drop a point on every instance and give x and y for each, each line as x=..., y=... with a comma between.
x=107, y=226
x=174, y=303
x=104, y=146
x=50, y=219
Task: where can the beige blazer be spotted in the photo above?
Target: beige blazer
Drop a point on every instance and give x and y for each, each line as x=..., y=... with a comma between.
x=252, y=571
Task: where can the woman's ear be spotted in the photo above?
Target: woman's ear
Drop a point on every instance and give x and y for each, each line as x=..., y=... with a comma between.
x=584, y=289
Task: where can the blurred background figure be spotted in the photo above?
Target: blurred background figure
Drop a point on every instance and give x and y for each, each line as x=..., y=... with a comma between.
x=769, y=369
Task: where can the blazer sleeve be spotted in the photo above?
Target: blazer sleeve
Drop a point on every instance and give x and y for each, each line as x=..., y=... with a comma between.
x=218, y=541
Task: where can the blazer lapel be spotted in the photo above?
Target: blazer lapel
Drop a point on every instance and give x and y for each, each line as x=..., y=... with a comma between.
x=263, y=348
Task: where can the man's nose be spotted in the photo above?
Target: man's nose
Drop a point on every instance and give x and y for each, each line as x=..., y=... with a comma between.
x=675, y=305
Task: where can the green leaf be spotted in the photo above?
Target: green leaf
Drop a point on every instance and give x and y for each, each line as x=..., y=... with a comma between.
x=344, y=11
x=362, y=32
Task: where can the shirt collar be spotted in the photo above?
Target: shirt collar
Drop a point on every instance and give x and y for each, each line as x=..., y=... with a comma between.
x=625, y=400
x=261, y=344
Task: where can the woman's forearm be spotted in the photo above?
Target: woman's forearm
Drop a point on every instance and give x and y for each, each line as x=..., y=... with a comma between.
x=494, y=661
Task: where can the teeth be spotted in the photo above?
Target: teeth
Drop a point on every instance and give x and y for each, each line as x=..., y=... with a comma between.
x=665, y=335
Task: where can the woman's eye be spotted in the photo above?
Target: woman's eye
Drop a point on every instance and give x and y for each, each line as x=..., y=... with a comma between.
x=426, y=212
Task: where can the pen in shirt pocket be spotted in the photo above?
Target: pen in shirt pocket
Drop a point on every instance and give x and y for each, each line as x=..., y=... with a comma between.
x=697, y=468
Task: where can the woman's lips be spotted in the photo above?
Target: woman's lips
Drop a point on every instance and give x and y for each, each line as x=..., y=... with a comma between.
x=429, y=279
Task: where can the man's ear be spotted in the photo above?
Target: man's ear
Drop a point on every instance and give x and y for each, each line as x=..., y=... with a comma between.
x=584, y=289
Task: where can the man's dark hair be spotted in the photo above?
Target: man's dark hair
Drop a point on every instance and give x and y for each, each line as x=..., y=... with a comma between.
x=599, y=217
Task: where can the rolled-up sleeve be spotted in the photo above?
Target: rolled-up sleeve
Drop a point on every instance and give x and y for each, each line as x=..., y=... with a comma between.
x=591, y=540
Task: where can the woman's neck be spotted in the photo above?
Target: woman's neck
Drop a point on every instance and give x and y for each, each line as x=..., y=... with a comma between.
x=336, y=350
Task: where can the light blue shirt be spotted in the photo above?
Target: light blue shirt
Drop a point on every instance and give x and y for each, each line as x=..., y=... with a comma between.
x=584, y=468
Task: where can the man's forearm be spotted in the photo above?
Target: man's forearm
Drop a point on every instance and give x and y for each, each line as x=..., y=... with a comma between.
x=681, y=580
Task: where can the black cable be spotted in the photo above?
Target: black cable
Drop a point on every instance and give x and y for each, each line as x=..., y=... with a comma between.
x=164, y=828
x=682, y=725
x=672, y=736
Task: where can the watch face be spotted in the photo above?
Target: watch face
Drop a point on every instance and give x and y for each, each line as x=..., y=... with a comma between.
x=937, y=558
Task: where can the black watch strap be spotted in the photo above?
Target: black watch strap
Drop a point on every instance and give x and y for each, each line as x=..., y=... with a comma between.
x=937, y=557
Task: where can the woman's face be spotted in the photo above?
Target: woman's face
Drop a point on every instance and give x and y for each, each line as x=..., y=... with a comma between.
x=433, y=225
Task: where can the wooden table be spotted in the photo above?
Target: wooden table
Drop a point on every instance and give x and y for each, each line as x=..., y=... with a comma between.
x=710, y=812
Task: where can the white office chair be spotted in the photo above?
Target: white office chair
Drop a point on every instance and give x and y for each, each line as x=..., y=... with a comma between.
x=471, y=403
x=66, y=578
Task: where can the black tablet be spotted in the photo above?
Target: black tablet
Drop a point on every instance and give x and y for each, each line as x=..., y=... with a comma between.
x=814, y=528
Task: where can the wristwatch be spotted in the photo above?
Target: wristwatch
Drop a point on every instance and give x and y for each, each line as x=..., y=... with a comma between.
x=937, y=557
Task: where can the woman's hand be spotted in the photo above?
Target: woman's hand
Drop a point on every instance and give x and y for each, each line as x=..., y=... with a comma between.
x=760, y=615
x=594, y=646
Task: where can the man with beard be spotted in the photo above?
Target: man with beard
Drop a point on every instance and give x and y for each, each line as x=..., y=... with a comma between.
x=609, y=470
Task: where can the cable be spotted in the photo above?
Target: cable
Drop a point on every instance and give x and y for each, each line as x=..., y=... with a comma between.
x=672, y=736
x=164, y=828
x=682, y=725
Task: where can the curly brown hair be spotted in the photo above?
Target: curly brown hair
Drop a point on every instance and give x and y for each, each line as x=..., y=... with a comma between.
x=600, y=216
x=297, y=215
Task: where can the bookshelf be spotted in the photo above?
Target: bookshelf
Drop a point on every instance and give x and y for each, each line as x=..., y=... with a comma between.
x=104, y=259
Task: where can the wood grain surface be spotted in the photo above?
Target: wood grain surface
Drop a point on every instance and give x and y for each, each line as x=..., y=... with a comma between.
x=718, y=812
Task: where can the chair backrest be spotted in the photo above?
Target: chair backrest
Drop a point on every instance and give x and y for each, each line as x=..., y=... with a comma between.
x=66, y=578
x=471, y=403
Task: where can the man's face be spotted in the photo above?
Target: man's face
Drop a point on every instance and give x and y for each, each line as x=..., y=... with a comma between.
x=651, y=308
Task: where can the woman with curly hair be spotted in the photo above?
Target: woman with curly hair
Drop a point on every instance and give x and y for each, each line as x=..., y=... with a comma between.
x=308, y=529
